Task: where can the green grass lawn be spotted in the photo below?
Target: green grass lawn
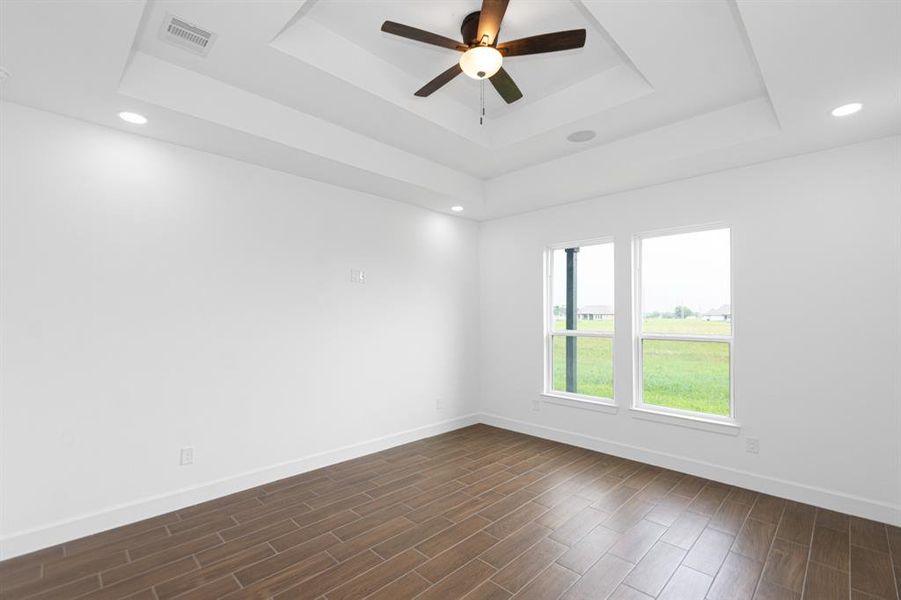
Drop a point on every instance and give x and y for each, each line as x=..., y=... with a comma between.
x=594, y=366
x=686, y=375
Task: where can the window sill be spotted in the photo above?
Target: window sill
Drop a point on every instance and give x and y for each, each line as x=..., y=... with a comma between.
x=700, y=423
x=582, y=403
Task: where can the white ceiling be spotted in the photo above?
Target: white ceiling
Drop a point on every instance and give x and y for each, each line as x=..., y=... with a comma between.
x=538, y=76
x=672, y=89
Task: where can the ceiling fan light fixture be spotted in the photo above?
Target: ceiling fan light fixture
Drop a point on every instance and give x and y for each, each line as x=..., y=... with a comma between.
x=481, y=62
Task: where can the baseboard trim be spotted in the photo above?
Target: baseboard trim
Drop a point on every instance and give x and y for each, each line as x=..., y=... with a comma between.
x=846, y=503
x=23, y=542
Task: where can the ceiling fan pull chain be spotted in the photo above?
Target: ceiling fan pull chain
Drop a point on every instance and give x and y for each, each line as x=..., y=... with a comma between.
x=482, y=101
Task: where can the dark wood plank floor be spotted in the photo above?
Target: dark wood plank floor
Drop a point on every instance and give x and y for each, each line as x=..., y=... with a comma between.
x=479, y=513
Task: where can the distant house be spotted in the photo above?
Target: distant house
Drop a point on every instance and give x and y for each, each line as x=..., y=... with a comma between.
x=595, y=312
x=723, y=313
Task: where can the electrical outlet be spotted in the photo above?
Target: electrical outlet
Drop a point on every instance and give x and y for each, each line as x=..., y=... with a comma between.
x=357, y=276
x=439, y=404
x=752, y=445
x=186, y=457
x=536, y=405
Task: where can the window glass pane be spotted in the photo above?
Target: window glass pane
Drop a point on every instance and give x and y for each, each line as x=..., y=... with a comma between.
x=593, y=286
x=685, y=283
x=593, y=364
x=686, y=375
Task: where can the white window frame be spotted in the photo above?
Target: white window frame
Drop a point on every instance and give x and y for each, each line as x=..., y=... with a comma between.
x=639, y=335
x=549, y=333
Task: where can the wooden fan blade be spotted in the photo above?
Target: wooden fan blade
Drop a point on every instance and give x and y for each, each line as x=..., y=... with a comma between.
x=490, y=20
x=420, y=35
x=547, y=42
x=439, y=81
x=505, y=86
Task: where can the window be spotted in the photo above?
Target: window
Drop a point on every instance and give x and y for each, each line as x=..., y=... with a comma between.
x=580, y=322
x=684, y=341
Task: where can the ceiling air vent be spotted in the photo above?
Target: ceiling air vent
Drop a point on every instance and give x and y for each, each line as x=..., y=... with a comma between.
x=180, y=33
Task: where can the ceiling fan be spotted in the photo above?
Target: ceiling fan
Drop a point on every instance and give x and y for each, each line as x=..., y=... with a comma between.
x=483, y=56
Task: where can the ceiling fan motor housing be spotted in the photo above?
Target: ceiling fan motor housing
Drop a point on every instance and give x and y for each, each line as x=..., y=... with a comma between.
x=469, y=29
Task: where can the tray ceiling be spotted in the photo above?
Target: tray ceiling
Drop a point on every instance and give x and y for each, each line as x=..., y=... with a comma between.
x=538, y=76
x=671, y=89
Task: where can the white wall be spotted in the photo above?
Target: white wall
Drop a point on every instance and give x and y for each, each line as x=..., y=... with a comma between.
x=155, y=297
x=816, y=265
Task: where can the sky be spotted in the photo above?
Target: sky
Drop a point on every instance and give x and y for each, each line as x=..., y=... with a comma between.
x=595, y=275
x=688, y=268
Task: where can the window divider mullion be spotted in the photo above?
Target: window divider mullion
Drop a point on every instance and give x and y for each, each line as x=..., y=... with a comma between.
x=582, y=333
x=675, y=337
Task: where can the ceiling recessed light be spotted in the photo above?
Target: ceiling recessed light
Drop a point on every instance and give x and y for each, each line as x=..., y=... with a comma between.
x=457, y=208
x=846, y=109
x=581, y=136
x=134, y=118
